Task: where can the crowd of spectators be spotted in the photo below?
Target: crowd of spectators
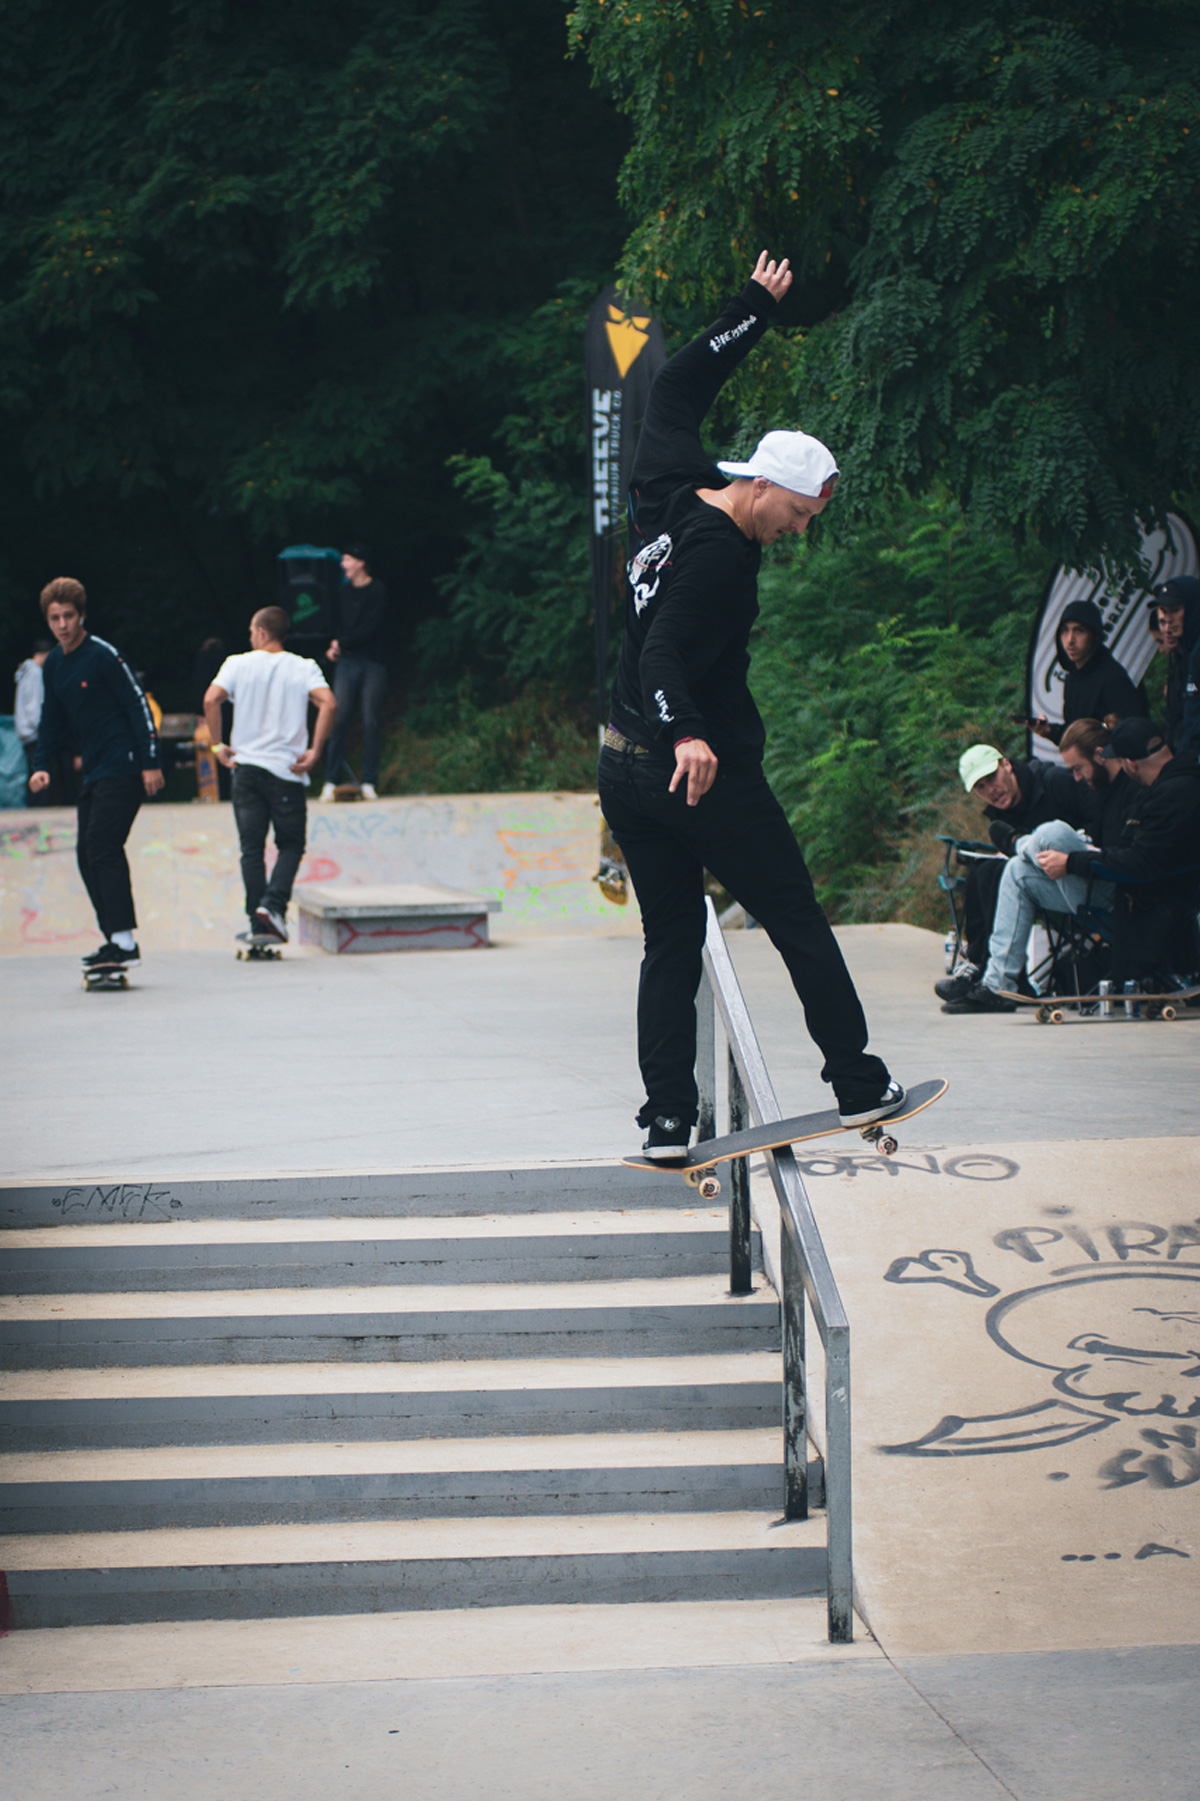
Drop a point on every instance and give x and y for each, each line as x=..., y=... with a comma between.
x=1111, y=837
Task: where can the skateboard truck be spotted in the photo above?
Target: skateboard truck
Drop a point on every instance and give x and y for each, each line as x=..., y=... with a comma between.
x=258, y=947
x=707, y=1184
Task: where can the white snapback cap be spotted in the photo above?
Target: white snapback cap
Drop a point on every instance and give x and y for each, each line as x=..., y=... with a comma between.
x=792, y=460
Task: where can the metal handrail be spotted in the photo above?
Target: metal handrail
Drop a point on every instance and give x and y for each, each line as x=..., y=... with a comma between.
x=804, y=1269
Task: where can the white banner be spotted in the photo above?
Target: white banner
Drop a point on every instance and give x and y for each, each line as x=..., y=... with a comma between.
x=1121, y=596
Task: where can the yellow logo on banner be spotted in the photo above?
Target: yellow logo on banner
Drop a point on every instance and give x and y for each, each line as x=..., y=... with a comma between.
x=626, y=338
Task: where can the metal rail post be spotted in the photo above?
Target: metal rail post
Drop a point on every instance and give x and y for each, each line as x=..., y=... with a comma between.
x=706, y=1061
x=795, y=1390
x=739, y=1189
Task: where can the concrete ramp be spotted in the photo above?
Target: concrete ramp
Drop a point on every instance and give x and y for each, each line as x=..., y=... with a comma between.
x=1026, y=1358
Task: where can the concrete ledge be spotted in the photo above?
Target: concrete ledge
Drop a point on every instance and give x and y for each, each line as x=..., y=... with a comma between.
x=344, y=1194
x=392, y=916
x=264, y=1571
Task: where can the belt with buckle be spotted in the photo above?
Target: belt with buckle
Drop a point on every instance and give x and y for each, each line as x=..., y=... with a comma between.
x=615, y=740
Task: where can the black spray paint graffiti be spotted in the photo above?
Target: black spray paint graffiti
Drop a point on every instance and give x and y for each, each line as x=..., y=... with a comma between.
x=953, y=1268
x=1121, y=1344
x=975, y=1166
x=121, y=1200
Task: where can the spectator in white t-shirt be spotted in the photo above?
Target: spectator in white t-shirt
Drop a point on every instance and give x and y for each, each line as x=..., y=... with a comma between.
x=270, y=756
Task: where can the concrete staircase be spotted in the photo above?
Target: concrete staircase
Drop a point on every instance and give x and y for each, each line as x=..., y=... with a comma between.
x=225, y=1415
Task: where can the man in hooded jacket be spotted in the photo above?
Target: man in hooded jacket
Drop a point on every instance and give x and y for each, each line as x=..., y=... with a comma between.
x=1178, y=605
x=1096, y=685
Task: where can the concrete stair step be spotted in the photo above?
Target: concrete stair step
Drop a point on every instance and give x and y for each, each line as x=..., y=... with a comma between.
x=675, y=1315
x=140, y=1490
x=571, y=1247
x=247, y=1572
x=264, y=1403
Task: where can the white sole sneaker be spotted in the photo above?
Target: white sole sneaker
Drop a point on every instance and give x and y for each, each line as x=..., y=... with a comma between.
x=894, y=1097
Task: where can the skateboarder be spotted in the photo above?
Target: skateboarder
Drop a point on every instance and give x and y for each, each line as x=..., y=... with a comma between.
x=270, y=757
x=92, y=696
x=680, y=778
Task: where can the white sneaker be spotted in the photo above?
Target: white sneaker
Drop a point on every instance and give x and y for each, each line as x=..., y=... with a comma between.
x=326, y=792
x=368, y=792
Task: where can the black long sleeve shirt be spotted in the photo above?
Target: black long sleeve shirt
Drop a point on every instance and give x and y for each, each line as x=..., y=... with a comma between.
x=362, y=613
x=93, y=697
x=693, y=580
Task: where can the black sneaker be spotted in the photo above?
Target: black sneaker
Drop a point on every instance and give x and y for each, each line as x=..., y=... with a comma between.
x=889, y=1102
x=985, y=1000
x=1003, y=836
x=667, y=1140
x=110, y=954
x=269, y=925
x=959, y=985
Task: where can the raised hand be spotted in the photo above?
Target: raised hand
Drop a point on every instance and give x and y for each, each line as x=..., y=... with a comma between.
x=775, y=277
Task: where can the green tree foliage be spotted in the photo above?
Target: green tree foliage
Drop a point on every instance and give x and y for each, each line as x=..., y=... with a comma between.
x=877, y=659
x=518, y=599
x=993, y=215
x=259, y=265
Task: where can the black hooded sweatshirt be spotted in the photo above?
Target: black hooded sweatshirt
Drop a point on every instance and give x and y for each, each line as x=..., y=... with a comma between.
x=693, y=582
x=1161, y=839
x=1103, y=685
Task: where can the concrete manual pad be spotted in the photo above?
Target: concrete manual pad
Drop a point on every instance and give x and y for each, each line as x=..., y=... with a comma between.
x=1025, y=1329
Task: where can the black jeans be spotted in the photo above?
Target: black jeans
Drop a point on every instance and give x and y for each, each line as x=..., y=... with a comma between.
x=980, y=892
x=261, y=799
x=356, y=679
x=107, y=809
x=739, y=832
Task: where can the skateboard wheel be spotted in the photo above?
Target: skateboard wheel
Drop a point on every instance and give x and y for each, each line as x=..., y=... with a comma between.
x=694, y=1177
x=709, y=1188
x=1168, y=1012
x=872, y=1134
x=888, y=1147
x=1057, y=1016
x=1042, y=1015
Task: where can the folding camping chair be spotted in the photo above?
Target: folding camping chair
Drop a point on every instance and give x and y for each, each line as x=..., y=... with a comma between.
x=1078, y=947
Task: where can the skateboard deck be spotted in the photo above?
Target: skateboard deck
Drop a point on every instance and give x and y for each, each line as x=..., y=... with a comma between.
x=105, y=976
x=698, y=1166
x=258, y=947
x=1051, y=1009
x=208, y=779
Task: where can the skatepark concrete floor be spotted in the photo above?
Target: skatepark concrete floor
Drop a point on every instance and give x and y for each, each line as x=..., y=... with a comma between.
x=516, y=1054
x=521, y=1054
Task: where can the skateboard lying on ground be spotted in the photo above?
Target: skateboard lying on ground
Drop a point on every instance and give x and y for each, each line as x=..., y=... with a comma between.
x=258, y=947
x=98, y=977
x=698, y=1166
x=1051, y=1008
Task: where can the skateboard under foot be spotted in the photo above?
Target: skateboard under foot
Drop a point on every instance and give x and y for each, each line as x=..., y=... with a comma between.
x=258, y=947
x=698, y=1166
x=105, y=977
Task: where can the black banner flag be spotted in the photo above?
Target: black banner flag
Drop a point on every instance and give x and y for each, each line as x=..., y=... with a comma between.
x=624, y=352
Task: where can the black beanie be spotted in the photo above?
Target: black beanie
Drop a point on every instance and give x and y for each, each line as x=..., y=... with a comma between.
x=1083, y=612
